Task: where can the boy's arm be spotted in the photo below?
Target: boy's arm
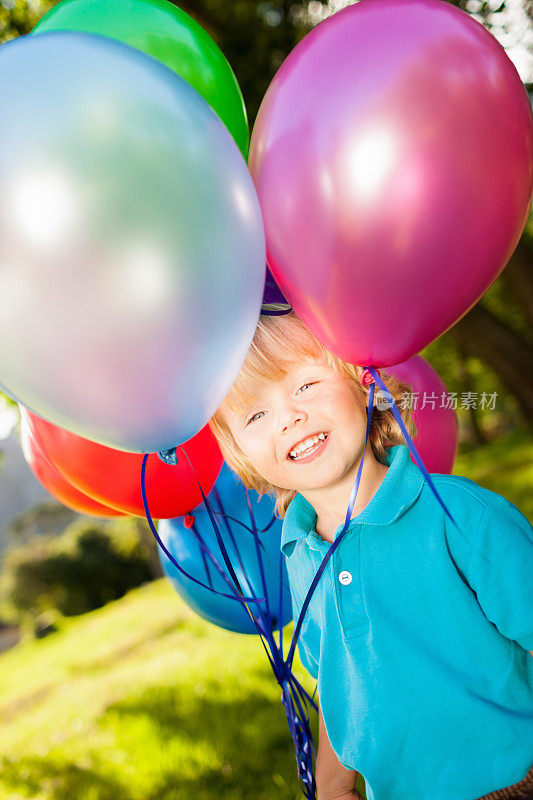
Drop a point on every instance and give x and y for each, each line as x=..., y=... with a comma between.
x=333, y=781
x=500, y=570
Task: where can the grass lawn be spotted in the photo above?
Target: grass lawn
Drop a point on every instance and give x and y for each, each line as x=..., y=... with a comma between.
x=143, y=700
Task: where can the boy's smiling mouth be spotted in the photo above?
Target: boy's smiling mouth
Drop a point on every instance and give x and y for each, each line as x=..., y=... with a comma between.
x=308, y=447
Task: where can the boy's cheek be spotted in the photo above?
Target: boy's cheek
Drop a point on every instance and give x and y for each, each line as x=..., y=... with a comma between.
x=270, y=470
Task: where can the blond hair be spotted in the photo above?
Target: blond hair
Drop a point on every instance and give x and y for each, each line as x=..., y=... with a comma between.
x=279, y=341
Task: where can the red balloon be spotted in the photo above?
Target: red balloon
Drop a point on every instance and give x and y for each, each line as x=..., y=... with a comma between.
x=437, y=428
x=56, y=484
x=113, y=476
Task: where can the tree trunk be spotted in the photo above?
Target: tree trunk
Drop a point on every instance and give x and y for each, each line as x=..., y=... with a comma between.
x=465, y=382
x=481, y=334
x=518, y=279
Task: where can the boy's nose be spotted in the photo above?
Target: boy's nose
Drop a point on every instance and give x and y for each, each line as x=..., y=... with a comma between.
x=291, y=419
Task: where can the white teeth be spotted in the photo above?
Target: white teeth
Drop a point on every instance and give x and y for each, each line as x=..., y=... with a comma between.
x=308, y=444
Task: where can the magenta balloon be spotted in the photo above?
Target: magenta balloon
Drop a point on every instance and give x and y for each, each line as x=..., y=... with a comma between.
x=437, y=429
x=393, y=159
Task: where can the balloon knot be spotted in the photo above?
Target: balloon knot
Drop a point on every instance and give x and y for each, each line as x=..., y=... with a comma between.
x=366, y=377
x=168, y=456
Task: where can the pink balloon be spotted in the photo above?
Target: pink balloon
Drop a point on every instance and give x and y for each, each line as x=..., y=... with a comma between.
x=393, y=159
x=437, y=428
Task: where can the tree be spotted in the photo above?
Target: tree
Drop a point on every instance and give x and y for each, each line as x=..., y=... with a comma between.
x=498, y=332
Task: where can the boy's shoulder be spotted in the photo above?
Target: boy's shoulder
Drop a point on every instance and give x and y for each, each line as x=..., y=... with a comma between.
x=472, y=504
x=464, y=490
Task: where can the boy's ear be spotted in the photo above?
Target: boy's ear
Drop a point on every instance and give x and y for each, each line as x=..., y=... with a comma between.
x=382, y=401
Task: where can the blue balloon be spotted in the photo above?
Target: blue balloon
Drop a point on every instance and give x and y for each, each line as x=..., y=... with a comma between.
x=183, y=544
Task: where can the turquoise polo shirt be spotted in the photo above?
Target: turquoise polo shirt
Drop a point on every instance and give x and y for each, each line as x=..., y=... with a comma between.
x=418, y=634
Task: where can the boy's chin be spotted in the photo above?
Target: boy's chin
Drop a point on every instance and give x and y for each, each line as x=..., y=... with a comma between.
x=317, y=482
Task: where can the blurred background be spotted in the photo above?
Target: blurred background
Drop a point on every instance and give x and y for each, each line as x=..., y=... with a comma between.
x=110, y=686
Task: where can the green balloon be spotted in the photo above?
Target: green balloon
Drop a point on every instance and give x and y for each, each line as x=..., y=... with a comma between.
x=165, y=32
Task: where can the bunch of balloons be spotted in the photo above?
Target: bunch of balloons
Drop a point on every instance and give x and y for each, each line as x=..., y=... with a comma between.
x=390, y=178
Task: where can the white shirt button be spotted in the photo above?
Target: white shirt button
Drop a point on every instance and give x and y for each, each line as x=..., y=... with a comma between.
x=345, y=577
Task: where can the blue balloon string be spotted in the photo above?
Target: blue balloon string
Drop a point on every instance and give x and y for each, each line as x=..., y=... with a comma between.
x=258, y=551
x=243, y=524
x=243, y=600
x=232, y=538
x=208, y=554
x=170, y=457
x=272, y=521
x=169, y=555
x=280, y=605
x=263, y=620
x=294, y=697
x=301, y=734
x=206, y=567
x=259, y=621
x=260, y=611
x=218, y=535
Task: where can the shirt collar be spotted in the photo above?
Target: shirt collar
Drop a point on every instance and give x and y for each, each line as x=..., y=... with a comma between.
x=397, y=492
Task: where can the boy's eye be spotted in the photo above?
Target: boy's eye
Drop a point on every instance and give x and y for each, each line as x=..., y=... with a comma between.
x=305, y=385
x=254, y=416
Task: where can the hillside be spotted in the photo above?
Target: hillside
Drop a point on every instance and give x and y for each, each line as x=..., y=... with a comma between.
x=141, y=700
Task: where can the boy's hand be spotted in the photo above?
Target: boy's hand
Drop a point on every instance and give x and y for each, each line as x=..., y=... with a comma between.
x=352, y=795
x=333, y=781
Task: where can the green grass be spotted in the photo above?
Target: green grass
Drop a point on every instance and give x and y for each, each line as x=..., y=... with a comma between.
x=143, y=700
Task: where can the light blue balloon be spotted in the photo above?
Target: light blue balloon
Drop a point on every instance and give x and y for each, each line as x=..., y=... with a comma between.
x=132, y=253
x=184, y=547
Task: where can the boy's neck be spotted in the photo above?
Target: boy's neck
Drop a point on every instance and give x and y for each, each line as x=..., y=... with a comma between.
x=331, y=504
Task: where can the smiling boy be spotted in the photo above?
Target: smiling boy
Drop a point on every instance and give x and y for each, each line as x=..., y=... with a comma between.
x=419, y=629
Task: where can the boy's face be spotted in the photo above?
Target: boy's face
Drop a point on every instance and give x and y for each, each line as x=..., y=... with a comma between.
x=312, y=400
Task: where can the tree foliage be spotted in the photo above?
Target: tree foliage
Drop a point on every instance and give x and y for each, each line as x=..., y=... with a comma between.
x=88, y=565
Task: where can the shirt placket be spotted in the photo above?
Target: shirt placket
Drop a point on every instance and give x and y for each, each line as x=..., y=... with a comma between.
x=345, y=574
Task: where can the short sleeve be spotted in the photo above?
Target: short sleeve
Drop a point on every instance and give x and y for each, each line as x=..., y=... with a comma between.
x=500, y=570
